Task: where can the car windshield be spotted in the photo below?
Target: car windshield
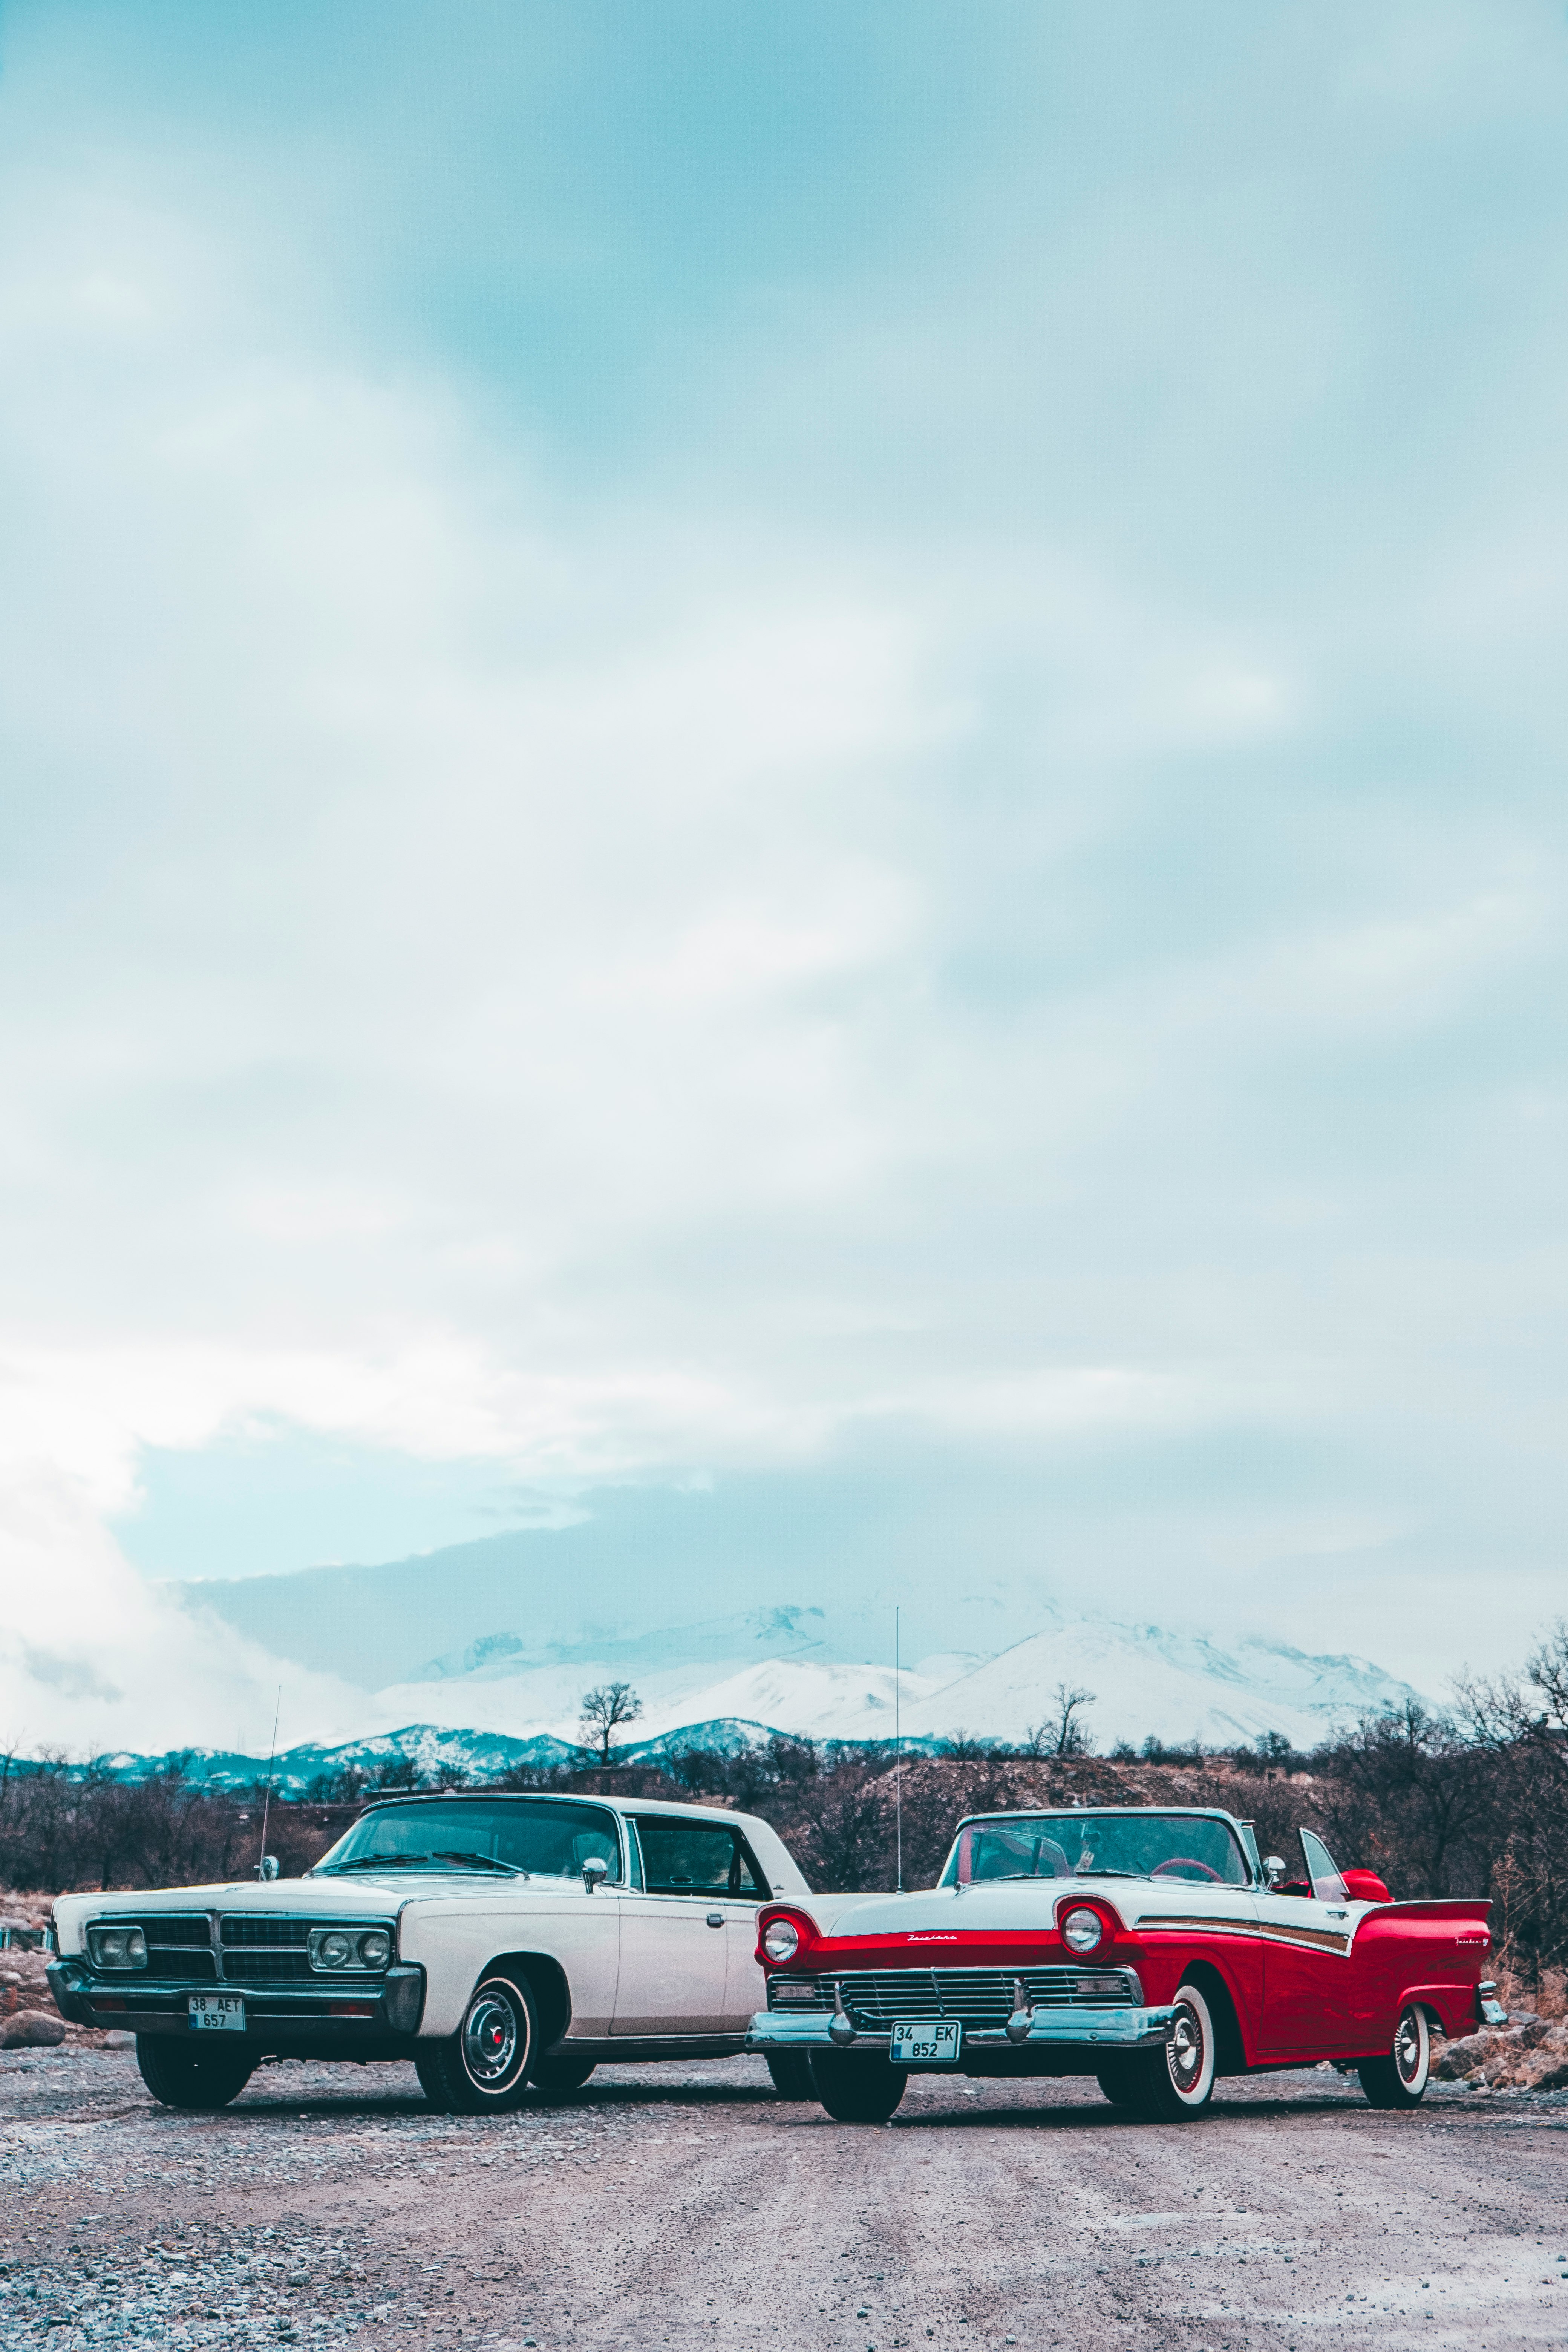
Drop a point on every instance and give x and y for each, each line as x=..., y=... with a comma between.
x=493, y=1835
x=1098, y=1845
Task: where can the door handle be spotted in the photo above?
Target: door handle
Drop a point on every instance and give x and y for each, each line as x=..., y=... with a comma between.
x=715, y=1918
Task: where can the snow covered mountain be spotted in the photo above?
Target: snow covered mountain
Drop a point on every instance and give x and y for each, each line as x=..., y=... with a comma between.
x=798, y=1669
x=497, y=1704
x=431, y=1747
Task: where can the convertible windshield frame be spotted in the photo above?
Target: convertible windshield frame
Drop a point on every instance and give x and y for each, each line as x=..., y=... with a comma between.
x=1174, y=1844
x=519, y=1837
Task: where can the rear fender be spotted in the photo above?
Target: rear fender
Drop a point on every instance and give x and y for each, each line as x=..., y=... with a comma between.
x=1450, y=2008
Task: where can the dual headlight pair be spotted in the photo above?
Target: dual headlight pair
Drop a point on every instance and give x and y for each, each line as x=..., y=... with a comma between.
x=117, y=1948
x=341, y=1947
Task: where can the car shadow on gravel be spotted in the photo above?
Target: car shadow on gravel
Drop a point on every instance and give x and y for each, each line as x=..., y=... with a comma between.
x=269, y=2094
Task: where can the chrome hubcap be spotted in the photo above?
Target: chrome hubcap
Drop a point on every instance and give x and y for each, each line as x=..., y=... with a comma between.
x=490, y=2039
x=1185, y=2051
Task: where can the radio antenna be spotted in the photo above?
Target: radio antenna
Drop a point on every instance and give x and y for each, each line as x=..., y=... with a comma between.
x=266, y=1801
x=899, y=1747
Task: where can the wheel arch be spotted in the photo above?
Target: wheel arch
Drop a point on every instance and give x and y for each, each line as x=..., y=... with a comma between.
x=1449, y=2009
x=1230, y=2048
x=546, y=1981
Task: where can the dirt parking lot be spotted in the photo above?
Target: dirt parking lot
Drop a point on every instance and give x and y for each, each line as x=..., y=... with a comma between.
x=692, y=2206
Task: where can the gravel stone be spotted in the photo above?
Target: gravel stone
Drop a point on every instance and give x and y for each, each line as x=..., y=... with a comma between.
x=675, y=2207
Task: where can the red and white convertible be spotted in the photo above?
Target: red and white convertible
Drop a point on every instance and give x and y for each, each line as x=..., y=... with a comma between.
x=1152, y=1948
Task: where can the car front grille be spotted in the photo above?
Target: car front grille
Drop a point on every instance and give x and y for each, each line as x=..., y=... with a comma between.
x=260, y=1948
x=255, y=1949
x=980, y=1997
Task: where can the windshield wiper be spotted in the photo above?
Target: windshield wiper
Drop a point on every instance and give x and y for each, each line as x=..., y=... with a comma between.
x=411, y=1861
x=482, y=1860
x=372, y=1862
x=1111, y=1873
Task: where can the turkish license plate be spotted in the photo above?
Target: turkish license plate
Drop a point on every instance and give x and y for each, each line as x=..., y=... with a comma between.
x=217, y=2012
x=933, y=2044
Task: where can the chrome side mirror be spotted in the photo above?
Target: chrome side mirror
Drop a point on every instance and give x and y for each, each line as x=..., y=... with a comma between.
x=1275, y=1867
x=596, y=1870
x=267, y=1866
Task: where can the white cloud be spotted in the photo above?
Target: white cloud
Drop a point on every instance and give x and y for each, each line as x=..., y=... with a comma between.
x=662, y=981
x=92, y=1659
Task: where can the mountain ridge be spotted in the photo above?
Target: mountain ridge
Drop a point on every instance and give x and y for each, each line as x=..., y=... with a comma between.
x=799, y=1668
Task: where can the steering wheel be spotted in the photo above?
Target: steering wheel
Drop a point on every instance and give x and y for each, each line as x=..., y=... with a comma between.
x=1180, y=1863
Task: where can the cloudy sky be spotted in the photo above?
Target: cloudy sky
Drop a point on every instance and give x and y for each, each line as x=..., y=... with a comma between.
x=813, y=754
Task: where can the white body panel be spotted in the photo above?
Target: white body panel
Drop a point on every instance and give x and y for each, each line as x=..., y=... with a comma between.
x=673, y=1966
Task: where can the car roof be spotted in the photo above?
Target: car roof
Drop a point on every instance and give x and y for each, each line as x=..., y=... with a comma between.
x=548, y=1797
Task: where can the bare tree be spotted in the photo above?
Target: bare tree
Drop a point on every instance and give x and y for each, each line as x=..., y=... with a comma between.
x=1062, y=1734
x=604, y=1710
x=843, y=1833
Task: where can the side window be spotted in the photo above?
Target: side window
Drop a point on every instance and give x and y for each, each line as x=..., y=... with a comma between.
x=690, y=1857
x=1323, y=1871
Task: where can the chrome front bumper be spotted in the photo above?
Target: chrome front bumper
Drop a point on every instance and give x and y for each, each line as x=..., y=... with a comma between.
x=346, y=2014
x=1079, y=2028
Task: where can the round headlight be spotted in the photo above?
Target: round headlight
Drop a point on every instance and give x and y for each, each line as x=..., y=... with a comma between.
x=781, y=1940
x=112, y=1948
x=135, y=1948
x=333, y=1951
x=1082, y=1930
x=375, y=1950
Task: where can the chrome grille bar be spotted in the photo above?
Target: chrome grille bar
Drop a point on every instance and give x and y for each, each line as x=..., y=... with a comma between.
x=976, y=1996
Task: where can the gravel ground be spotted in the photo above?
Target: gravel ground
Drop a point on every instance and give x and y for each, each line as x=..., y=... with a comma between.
x=680, y=2207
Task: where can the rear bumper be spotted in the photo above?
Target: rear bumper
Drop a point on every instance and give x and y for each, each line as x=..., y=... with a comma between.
x=346, y=2020
x=1076, y=2028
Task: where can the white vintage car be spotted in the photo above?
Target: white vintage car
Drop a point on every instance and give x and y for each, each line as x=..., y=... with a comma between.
x=498, y=1942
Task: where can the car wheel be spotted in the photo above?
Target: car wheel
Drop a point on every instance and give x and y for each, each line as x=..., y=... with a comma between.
x=791, y=2073
x=1119, y=2082
x=857, y=2089
x=557, y=2078
x=1177, y=2083
x=200, y=2081
x=482, y=2069
x=432, y=2080
x=1400, y=2079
